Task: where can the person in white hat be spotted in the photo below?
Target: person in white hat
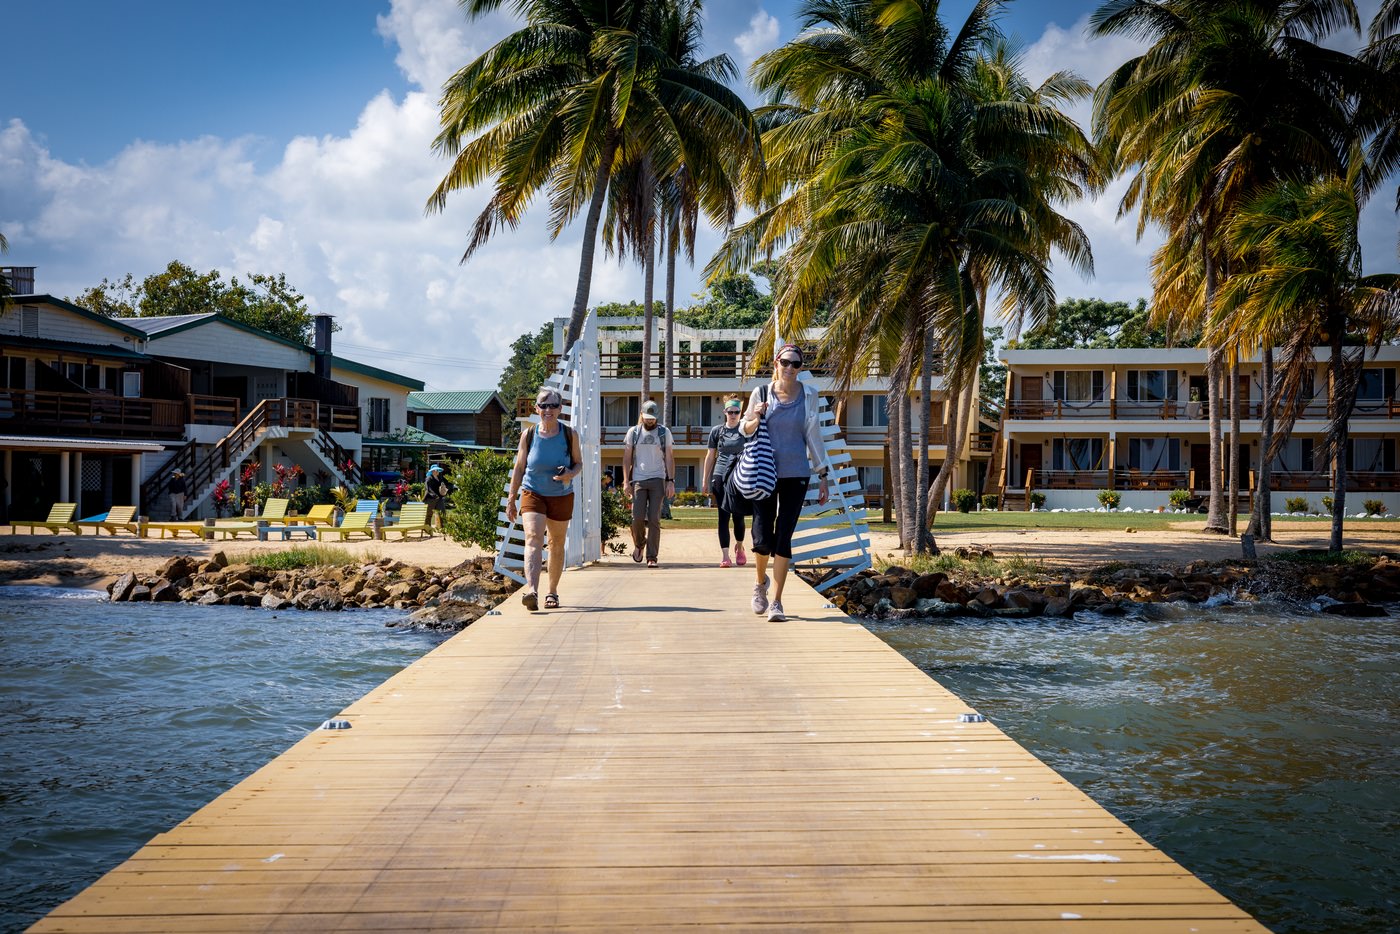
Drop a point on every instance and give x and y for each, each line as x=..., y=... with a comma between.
x=649, y=479
x=178, y=490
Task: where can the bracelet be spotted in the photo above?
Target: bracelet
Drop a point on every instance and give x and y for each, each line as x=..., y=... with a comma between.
x=670, y=479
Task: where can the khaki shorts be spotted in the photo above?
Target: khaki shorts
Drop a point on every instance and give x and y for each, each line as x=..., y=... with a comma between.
x=553, y=508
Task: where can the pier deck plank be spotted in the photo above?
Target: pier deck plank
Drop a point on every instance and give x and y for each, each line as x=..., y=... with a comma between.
x=654, y=756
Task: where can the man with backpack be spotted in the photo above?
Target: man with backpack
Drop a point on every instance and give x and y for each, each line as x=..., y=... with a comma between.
x=649, y=479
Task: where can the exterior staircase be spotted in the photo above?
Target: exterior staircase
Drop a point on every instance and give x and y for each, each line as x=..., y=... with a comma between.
x=277, y=418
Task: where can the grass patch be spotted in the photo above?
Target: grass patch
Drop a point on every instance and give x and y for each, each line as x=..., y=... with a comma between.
x=1311, y=557
x=305, y=556
x=1016, y=566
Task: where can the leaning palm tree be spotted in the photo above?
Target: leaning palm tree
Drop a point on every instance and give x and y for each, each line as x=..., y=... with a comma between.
x=1231, y=95
x=557, y=102
x=1308, y=283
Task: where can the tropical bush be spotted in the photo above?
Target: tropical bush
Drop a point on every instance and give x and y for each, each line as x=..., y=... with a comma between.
x=477, y=484
x=1109, y=499
x=369, y=491
x=964, y=500
x=1037, y=500
x=1296, y=504
x=1178, y=498
x=1327, y=502
x=616, y=515
x=989, y=501
x=691, y=499
x=1374, y=507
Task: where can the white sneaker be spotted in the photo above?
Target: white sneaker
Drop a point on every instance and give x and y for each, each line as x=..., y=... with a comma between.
x=760, y=597
x=775, y=612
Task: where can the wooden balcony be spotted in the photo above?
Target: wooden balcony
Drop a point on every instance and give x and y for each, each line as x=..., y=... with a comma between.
x=1358, y=481
x=1119, y=409
x=1152, y=480
x=90, y=414
x=696, y=365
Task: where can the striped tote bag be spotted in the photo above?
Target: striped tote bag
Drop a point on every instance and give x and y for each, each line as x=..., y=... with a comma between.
x=756, y=474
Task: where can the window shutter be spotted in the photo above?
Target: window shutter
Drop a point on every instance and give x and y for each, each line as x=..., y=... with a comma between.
x=1171, y=385
x=706, y=409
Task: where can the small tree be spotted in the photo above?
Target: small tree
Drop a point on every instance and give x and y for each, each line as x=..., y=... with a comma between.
x=1178, y=498
x=1109, y=499
x=964, y=500
x=478, y=481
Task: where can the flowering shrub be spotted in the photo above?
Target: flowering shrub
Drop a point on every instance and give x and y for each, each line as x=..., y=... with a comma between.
x=1109, y=499
x=222, y=498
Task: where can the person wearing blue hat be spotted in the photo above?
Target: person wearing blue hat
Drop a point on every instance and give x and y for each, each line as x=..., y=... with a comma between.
x=436, y=489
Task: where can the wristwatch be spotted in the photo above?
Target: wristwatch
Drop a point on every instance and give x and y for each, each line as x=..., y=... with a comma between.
x=670, y=479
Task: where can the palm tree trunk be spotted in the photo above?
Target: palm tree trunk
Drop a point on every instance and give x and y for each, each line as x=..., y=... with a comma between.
x=909, y=495
x=894, y=483
x=1215, y=520
x=672, y=234
x=1259, y=525
x=958, y=421
x=1339, y=402
x=648, y=291
x=921, y=507
x=590, y=243
x=1234, y=485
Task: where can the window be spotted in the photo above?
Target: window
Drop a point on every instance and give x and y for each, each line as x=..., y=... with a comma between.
x=1154, y=454
x=1078, y=385
x=1371, y=454
x=690, y=410
x=1077, y=454
x=875, y=411
x=13, y=372
x=131, y=384
x=378, y=416
x=685, y=477
x=1376, y=383
x=1151, y=385
x=872, y=479
x=619, y=411
x=1297, y=455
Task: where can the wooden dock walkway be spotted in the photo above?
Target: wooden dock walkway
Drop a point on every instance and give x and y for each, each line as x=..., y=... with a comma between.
x=651, y=757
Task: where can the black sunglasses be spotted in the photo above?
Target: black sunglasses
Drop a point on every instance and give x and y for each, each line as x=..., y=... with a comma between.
x=731, y=412
x=788, y=361
x=546, y=405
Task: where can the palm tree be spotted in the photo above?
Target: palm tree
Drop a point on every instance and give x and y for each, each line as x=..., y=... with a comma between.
x=914, y=185
x=558, y=103
x=1231, y=95
x=1308, y=283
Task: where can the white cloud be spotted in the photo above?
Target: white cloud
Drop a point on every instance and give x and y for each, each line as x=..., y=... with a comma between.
x=761, y=35
x=341, y=215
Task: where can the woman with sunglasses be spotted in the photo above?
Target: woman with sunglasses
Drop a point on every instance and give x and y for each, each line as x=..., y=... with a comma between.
x=546, y=462
x=726, y=444
x=791, y=411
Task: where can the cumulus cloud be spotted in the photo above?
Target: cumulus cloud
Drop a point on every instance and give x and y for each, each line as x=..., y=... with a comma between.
x=761, y=35
x=342, y=215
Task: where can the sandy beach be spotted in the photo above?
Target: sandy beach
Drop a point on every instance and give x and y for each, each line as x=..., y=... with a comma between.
x=89, y=561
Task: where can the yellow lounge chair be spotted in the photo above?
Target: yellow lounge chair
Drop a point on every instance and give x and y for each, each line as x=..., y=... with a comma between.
x=353, y=523
x=196, y=529
x=60, y=517
x=235, y=529
x=316, y=515
x=275, y=510
x=412, y=518
x=119, y=519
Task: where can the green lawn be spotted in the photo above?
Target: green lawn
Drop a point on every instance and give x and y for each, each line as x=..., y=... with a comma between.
x=703, y=518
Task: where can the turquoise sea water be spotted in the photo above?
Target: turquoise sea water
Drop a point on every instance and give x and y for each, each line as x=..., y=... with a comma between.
x=1255, y=745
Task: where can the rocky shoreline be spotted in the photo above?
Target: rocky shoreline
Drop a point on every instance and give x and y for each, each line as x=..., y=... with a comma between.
x=444, y=600
x=1354, y=589
x=452, y=599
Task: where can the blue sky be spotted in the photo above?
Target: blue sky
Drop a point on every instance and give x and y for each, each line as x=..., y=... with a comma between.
x=293, y=137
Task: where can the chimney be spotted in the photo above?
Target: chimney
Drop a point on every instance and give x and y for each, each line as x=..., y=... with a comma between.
x=323, y=346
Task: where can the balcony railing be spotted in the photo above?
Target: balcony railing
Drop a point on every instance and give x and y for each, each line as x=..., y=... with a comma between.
x=1042, y=409
x=90, y=414
x=213, y=410
x=1358, y=481
x=699, y=364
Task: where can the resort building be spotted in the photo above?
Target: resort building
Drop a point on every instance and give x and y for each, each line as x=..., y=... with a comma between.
x=710, y=364
x=1135, y=420
x=467, y=418
x=102, y=411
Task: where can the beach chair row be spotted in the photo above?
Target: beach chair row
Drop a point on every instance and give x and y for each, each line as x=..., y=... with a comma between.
x=62, y=516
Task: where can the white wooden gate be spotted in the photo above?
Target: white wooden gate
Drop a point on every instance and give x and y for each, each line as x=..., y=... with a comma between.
x=577, y=382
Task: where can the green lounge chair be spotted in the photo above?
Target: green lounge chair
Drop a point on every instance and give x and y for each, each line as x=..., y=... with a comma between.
x=275, y=510
x=60, y=518
x=412, y=518
x=353, y=523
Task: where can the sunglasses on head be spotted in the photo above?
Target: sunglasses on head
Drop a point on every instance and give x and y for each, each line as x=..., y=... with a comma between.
x=546, y=405
x=788, y=361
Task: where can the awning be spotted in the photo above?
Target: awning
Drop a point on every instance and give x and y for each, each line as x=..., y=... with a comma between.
x=85, y=445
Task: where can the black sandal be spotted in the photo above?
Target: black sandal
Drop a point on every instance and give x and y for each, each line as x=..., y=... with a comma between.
x=551, y=601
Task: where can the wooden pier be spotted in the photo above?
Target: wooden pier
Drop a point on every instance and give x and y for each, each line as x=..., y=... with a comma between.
x=651, y=757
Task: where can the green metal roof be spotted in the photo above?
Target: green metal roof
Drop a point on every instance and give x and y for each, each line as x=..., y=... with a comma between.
x=468, y=402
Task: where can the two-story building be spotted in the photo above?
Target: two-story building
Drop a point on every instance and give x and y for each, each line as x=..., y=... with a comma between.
x=103, y=411
x=711, y=363
x=1135, y=420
